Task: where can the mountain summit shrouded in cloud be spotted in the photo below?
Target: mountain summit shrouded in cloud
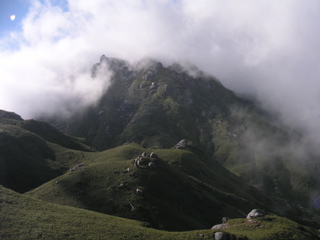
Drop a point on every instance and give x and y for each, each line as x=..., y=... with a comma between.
x=262, y=48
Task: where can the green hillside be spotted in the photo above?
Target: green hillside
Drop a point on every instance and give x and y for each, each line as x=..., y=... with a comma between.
x=22, y=217
x=183, y=192
x=29, y=153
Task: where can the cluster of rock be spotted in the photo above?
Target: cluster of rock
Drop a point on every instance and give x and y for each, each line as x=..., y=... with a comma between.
x=80, y=166
x=226, y=236
x=143, y=161
x=146, y=160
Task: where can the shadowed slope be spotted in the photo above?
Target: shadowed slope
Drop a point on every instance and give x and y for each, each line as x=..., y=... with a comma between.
x=30, y=154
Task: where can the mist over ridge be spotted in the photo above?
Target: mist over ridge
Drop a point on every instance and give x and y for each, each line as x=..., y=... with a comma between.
x=263, y=49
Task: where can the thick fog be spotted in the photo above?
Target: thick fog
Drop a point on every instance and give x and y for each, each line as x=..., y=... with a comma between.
x=268, y=49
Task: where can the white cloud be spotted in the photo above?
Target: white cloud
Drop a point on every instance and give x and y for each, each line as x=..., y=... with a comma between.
x=264, y=47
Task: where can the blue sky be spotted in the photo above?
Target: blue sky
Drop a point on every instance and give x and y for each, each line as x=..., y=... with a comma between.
x=18, y=8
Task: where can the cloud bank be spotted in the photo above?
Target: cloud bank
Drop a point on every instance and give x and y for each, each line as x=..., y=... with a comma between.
x=268, y=49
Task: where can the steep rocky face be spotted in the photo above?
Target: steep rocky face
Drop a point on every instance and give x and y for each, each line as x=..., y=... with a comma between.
x=154, y=106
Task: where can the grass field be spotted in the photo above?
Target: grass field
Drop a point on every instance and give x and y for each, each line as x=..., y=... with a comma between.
x=23, y=217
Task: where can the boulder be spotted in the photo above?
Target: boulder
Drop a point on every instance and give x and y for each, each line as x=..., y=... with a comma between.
x=143, y=161
x=153, y=85
x=255, y=213
x=78, y=166
x=182, y=144
x=143, y=154
x=152, y=165
x=220, y=236
x=225, y=219
x=153, y=155
x=220, y=226
x=139, y=192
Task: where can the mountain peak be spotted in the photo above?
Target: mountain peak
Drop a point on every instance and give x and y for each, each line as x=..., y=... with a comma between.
x=9, y=115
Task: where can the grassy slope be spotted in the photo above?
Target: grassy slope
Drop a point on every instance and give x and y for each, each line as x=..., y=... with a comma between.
x=26, y=218
x=43, y=130
x=22, y=217
x=30, y=154
x=24, y=159
x=271, y=227
x=185, y=192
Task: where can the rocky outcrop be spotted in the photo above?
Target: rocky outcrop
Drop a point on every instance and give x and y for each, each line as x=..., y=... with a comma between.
x=139, y=192
x=80, y=166
x=220, y=226
x=220, y=236
x=143, y=154
x=225, y=219
x=153, y=155
x=182, y=144
x=152, y=165
x=255, y=213
x=143, y=161
x=146, y=160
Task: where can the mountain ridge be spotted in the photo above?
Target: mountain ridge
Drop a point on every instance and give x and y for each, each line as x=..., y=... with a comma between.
x=157, y=106
x=217, y=154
